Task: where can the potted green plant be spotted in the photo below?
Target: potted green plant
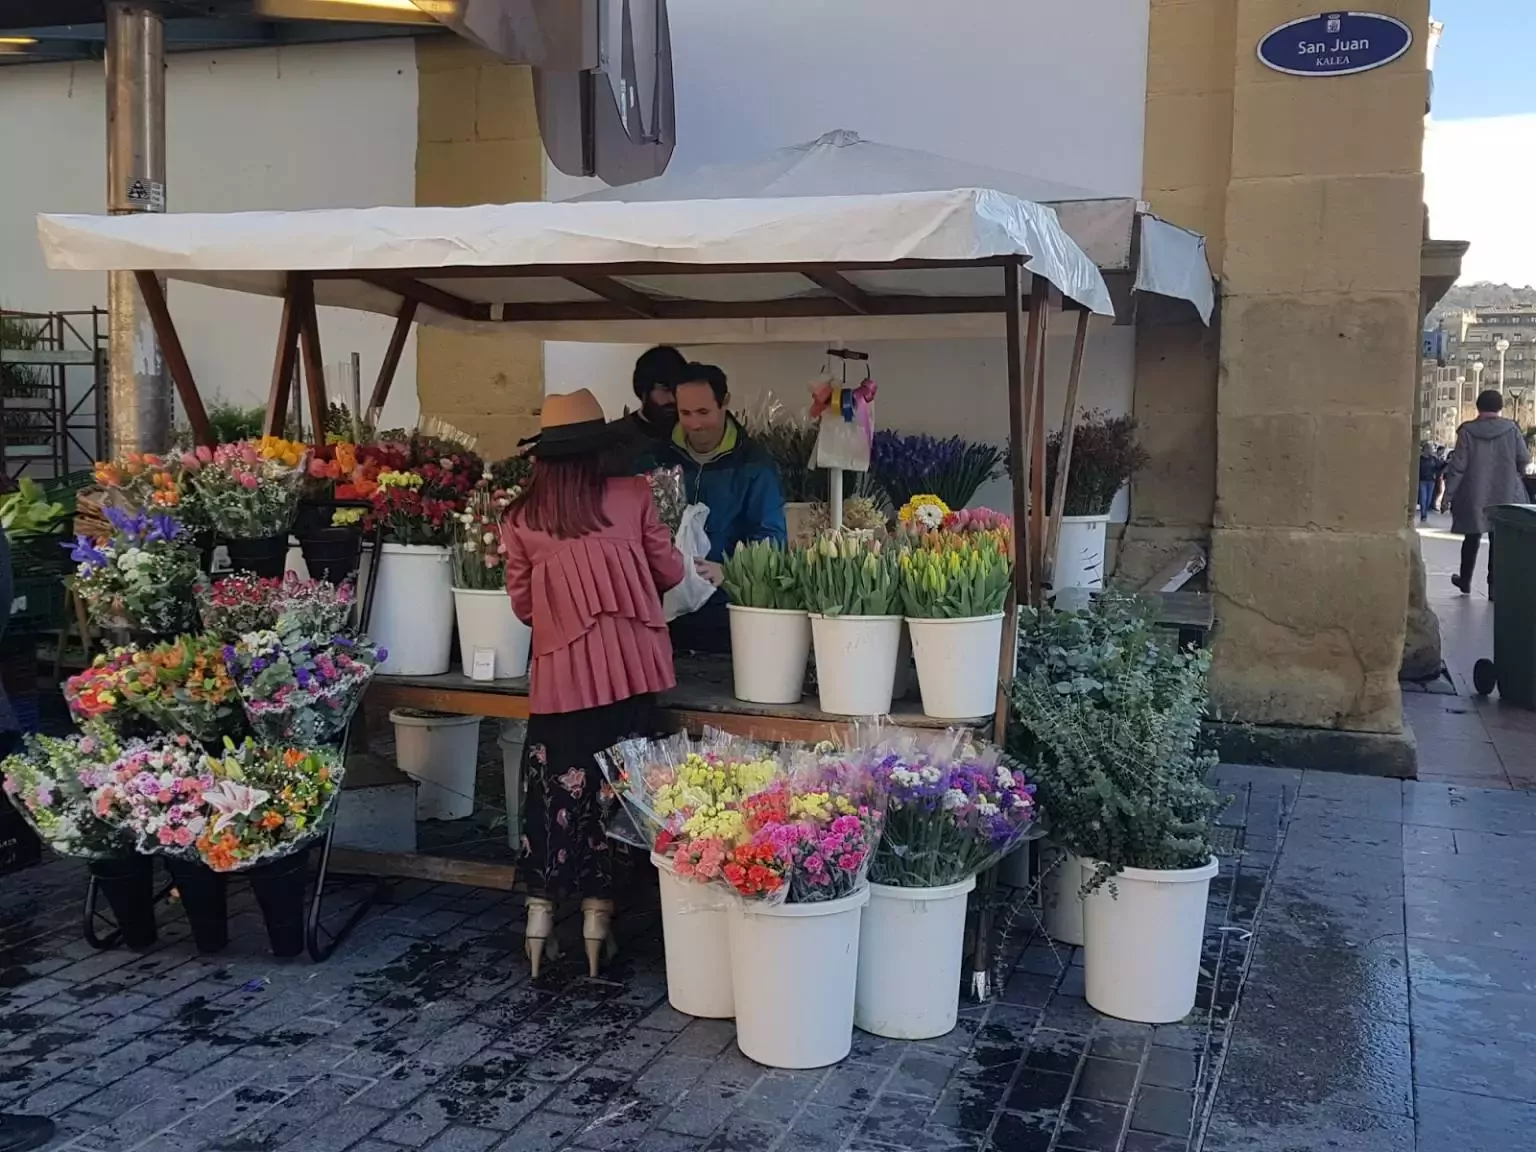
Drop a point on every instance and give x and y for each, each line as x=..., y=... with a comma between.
x=1111, y=735
x=848, y=581
x=770, y=631
x=953, y=587
x=1105, y=455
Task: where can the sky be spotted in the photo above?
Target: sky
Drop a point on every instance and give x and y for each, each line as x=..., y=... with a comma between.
x=1484, y=107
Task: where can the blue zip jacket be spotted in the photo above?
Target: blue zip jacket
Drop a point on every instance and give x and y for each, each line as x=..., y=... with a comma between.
x=740, y=484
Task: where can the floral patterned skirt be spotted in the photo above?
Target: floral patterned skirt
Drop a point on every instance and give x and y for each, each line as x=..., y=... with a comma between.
x=566, y=850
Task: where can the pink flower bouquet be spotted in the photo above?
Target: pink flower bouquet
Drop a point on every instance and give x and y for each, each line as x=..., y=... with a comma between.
x=51, y=783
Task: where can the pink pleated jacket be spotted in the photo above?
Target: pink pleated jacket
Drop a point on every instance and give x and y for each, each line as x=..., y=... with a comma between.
x=594, y=603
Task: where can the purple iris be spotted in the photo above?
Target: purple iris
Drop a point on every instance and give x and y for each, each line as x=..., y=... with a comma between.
x=86, y=554
x=131, y=526
x=162, y=527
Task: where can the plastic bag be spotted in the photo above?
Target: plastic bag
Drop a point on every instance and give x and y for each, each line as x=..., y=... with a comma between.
x=693, y=542
x=845, y=426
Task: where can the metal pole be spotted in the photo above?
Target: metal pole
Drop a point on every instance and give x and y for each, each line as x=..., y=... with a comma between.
x=138, y=395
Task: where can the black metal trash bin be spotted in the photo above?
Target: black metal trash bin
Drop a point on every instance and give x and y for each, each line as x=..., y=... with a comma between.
x=1512, y=576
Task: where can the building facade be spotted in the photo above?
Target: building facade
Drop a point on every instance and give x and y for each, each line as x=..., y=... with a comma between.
x=1494, y=348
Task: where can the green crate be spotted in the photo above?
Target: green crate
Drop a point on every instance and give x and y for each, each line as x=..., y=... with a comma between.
x=41, y=555
x=37, y=603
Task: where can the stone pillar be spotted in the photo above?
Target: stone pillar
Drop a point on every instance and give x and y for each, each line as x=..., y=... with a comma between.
x=477, y=143
x=1319, y=357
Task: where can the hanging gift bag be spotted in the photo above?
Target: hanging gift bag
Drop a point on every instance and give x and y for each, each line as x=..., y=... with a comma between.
x=846, y=426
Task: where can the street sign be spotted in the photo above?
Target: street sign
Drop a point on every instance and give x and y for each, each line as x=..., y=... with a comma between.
x=1335, y=44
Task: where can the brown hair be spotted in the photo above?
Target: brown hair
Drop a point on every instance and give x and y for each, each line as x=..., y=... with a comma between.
x=564, y=497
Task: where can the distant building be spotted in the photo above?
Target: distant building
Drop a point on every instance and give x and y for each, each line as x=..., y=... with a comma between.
x=1472, y=337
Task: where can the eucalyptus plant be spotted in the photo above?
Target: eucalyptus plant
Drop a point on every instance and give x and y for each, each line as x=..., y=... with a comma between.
x=762, y=574
x=849, y=574
x=1106, y=720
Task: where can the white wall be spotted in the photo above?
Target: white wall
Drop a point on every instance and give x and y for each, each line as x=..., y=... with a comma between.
x=315, y=127
x=1051, y=89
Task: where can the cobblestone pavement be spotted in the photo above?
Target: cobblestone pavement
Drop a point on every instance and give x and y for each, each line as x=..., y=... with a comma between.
x=423, y=1031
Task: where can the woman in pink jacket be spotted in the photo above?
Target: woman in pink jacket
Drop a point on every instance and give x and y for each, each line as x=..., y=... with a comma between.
x=587, y=562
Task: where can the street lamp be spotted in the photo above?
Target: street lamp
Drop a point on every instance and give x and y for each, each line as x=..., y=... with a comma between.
x=1516, y=391
x=1501, y=347
x=1477, y=375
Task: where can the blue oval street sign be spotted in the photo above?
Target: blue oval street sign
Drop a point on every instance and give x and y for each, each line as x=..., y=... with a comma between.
x=1335, y=44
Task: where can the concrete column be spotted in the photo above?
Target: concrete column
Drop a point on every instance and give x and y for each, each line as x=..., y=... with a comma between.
x=139, y=404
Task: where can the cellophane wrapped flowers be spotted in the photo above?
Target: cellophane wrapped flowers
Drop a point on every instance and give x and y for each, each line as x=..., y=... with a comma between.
x=266, y=802
x=141, y=578
x=250, y=488
x=95, y=696
x=51, y=783
x=240, y=603
x=143, y=482
x=183, y=686
x=300, y=689
x=668, y=492
x=154, y=791
x=953, y=808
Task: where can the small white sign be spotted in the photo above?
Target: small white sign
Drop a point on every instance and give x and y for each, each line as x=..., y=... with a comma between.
x=484, y=664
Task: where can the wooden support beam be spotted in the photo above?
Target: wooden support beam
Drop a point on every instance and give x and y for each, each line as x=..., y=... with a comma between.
x=1020, y=363
x=175, y=356
x=633, y=302
x=653, y=268
x=1064, y=457
x=392, y=355
x=412, y=866
x=1037, y=463
x=284, y=362
x=798, y=307
x=314, y=362
x=426, y=295
x=841, y=288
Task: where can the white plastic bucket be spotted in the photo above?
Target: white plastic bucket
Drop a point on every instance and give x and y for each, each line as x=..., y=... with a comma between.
x=696, y=934
x=910, y=946
x=1061, y=882
x=794, y=968
x=512, y=737
x=856, y=662
x=957, y=665
x=769, y=649
x=413, y=610
x=1080, y=552
x=486, y=620
x=1145, y=929
x=438, y=751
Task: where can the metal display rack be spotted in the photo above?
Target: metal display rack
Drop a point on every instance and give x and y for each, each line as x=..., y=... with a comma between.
x=52, y=399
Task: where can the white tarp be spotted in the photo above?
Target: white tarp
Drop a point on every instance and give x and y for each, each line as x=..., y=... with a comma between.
x=251, y=251
x=1171, y=261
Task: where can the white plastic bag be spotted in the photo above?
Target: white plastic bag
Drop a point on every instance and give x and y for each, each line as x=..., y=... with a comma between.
x=845, y=425
x=692, y=541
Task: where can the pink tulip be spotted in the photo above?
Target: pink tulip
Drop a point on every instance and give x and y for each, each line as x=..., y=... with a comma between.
x=248, y=481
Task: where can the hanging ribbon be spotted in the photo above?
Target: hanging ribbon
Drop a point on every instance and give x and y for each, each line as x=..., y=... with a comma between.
x=851, y=400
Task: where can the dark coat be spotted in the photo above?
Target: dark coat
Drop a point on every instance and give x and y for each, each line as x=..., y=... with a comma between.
x=1485, y=468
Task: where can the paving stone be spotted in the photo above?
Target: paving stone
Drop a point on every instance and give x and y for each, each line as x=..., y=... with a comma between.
x=702, y=1111
x=1092, y=1126
x=922, y=1073
x=541, y=1132
x=1107, y=1081
x=403, y=1083
x=461, y=1139
x=1026, y=1133
x=1169, y=1068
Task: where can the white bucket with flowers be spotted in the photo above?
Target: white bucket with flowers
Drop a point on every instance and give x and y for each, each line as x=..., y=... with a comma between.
x=848, y=580
x=412, y=615
x=954, y=583
x=480, y=600
x=952, y=809
x=770, y=631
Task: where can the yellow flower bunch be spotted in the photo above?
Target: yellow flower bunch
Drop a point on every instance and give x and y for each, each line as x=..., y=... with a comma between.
x=288, y=452
x=925, y=510
x=702, y=786
x=716, y=822
x=344, y=516
x=392, y=479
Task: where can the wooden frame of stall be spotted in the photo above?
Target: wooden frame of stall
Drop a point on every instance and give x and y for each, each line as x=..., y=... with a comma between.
x=1024, y=301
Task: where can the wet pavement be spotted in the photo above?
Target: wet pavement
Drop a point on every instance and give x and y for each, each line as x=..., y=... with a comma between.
x=1368, y=985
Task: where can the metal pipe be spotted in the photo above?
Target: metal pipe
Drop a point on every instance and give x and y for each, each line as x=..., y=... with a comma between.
x=139, y=405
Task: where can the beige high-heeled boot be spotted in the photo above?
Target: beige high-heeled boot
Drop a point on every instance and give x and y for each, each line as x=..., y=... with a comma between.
x=597, y=931
x=539, y=936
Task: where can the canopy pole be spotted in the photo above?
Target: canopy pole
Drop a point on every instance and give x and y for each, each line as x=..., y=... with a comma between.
x=139, y=408
x=392, y=356
x=175, y=357
x=1064, y=457
x=284, y=362
x=1037, y=451
x=1018, y=427
x=314, y=365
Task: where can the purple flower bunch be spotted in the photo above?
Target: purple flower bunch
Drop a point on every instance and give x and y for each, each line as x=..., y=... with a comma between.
x=952, y=469
x=139, y=578
x=299, y=689
x=952, y=810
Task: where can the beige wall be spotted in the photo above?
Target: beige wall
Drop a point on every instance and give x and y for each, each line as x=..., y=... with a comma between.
x=477, y=143
x=1310, y=191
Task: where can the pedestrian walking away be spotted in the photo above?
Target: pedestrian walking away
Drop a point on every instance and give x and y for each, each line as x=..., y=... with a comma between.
x=1485, y=468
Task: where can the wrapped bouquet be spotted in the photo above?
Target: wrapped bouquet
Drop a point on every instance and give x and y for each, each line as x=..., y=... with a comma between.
x=249, y=489
x=301, y=689
x=241, y=602
x=182, y=686
x=141, y=578
x=266, y=802
x=51, y=783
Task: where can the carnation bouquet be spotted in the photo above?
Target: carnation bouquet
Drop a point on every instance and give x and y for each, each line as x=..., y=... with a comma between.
x=141, y=578
x=154, y=792
x=241, y=602
x=953, y=808
x=249, y=489
x=408, y=515
x=266, y=802
x=51, y=784
x=479, y=562
x=301, y=689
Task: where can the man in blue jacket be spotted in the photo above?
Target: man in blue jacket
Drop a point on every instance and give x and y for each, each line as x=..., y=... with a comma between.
x=734, y=476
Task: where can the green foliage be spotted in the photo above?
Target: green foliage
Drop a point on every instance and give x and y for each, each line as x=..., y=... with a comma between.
x=849, y=574
x=969, y=577
x=761, y=574
x=232, y=423
x=1105, y=455
x=29, y=512
x=22, y=381
x=513, y=472
x=1106, y=722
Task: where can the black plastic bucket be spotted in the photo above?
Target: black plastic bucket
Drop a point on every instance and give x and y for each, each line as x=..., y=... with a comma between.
x=279, y=888
x=202, y=892
x=332, y=554
x=128, y=883
x=264, y=556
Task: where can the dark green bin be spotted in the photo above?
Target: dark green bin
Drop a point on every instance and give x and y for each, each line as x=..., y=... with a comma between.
x=1512, y=571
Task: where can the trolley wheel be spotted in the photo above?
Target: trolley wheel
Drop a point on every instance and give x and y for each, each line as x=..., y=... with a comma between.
x=1485, y=678
x=96, y=920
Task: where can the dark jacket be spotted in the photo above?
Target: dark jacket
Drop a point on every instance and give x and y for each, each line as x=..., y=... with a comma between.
x=740, y=485
x=1486, y=468
x=640, y=442
x=1430, y=467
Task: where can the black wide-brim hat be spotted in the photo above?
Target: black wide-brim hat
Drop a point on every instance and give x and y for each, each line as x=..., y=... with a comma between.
x=572, y=424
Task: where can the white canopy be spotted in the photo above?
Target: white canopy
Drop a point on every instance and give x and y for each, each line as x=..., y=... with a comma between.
x=618, y=271
x=1171, y=260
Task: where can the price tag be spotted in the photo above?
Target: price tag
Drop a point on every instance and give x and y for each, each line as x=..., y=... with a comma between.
x=484, y=664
